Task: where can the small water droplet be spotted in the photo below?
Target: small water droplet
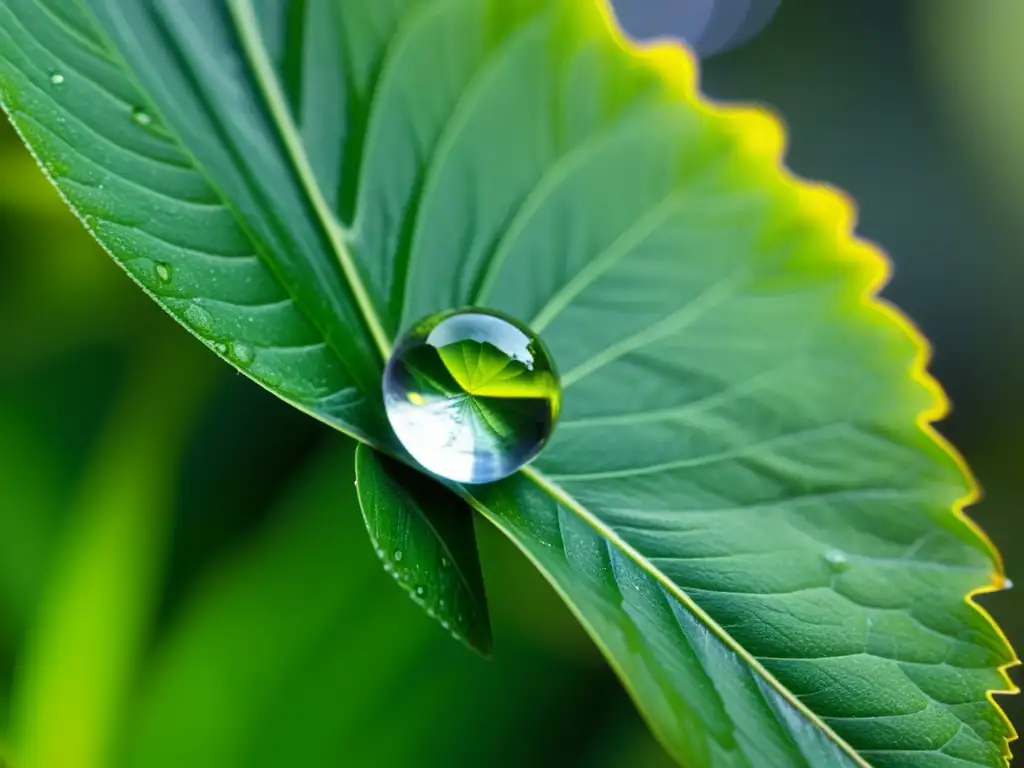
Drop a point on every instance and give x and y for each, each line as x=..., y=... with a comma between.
x=514, y=412
x=1007, y=583
x=445, y=624
x=243, y=355
x=380, y=553
x=398, y=555
x=420, y=590
x=199, y=318
x=141, y=117
x=440, y=602
x=57, y=79
x=837, y=560
x=221, y=347
x=163, y=272
x=444, y=562
x=387, y=567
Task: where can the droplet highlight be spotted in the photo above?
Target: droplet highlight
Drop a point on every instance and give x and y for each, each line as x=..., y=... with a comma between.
x=56, y=79
x=471, y=394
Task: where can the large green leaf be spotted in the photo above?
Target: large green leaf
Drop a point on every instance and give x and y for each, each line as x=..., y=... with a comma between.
x=744, y=503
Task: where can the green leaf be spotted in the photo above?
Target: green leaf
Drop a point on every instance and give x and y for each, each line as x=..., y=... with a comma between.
x=423, y=533
x=744, y=503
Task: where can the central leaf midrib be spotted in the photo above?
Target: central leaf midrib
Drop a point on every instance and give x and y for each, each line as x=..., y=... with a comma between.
x=242, y=15
x=562, y=497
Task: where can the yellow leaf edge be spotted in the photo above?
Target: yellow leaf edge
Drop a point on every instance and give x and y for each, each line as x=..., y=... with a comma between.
x=761, y=133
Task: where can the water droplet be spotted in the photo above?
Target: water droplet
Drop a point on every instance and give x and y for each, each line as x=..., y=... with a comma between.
x=243, y=355
x=380, y=553
x=444, y=562
x=445, y=624
x=471, y=394
x=163, y=273
x=440, y=602
x=141, y=117
x=221, y=347
x=57, y=79
x=1007, y=583
x=398, y=555
x=420, y=590
x=837, y=560
x=198, y=318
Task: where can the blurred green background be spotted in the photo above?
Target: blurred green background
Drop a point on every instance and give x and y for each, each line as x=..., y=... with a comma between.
x=184, y=577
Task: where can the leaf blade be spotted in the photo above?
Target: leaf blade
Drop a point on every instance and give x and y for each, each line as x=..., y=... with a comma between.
x=424, y=535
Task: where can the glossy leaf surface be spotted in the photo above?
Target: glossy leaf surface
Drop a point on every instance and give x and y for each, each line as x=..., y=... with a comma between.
x=743, y=504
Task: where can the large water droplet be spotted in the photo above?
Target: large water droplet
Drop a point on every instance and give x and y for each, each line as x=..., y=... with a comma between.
x=471, y=394
x=163, y=272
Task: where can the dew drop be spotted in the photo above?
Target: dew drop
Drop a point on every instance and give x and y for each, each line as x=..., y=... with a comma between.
x=221, y=347
x=199, y=318
x=1007, y=583
x=837, y=560
x=163, y=273
x=471, y=394
x=444, y=562
x=420, y=590
x=398, y=555
x=56, y=79
x=243, y=355
x=141, y=117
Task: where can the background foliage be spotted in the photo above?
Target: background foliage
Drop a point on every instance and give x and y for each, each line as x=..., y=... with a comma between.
x=107, y=408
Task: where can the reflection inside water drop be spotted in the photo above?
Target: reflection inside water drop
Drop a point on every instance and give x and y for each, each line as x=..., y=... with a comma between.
x=471, y=394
